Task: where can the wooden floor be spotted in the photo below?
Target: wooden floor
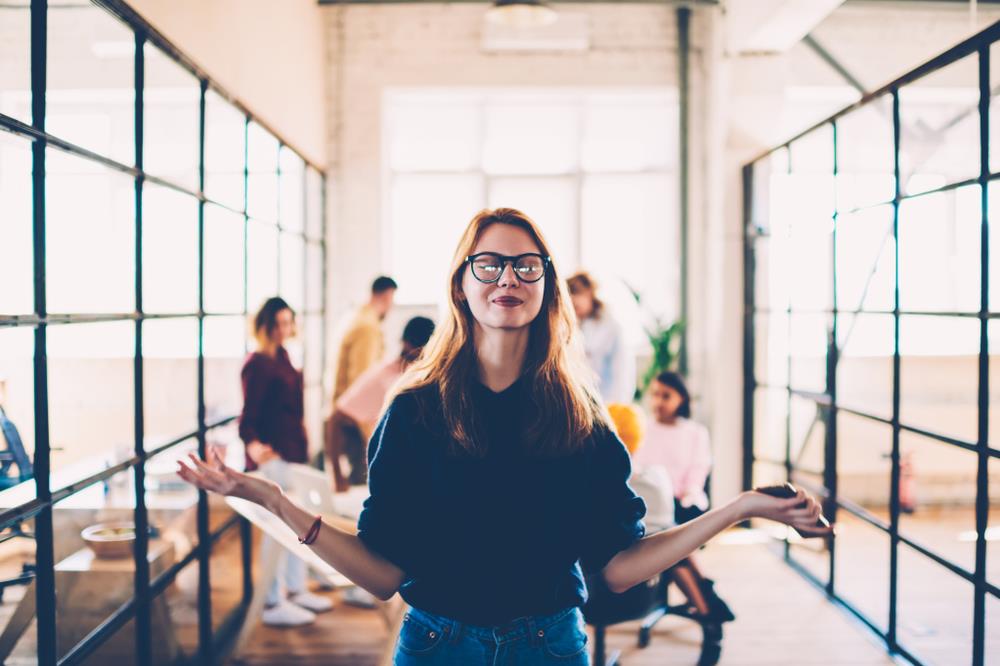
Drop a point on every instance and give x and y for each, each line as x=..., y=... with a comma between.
x=781, y=619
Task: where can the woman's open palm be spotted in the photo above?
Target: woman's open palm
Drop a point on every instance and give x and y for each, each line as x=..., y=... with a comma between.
x=224, y=480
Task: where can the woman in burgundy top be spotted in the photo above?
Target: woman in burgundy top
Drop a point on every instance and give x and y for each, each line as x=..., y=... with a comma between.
x=271, y=427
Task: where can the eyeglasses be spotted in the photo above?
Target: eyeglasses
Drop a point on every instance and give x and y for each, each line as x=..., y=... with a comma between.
x=489, y=266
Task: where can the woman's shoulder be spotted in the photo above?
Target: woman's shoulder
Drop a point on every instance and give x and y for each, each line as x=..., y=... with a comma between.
x=257, y=363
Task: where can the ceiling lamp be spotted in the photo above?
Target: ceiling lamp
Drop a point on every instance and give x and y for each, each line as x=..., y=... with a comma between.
x=521, y=13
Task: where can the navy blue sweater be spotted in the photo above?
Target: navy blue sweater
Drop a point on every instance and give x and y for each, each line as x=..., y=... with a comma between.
x=485, y=540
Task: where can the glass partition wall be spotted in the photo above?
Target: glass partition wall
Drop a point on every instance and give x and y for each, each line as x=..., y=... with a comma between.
x=872, y=351
x=145, y=214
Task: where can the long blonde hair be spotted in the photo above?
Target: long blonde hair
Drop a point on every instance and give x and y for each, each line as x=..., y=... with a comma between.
x=567, y=406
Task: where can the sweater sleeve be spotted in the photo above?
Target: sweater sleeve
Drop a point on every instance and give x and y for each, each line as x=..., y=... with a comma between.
x=389, y=523
x=616, y=511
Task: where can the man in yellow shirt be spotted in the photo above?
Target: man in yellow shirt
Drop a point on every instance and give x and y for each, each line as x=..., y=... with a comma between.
x=361, y=347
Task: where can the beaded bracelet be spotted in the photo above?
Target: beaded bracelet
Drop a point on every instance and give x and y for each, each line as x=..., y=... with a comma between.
x=313, y=532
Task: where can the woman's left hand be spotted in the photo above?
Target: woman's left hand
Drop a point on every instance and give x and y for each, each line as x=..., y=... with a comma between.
x=801, y=511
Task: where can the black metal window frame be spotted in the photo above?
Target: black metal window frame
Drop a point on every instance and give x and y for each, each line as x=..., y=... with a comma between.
x=754, y=218
x=41, y=508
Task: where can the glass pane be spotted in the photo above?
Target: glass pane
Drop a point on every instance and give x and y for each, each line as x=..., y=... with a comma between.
x=771, y=353
x=939, y=127
x=314, y=204
x=939, y=251
x=225, y=147
x=993, y=193
x=992, y=629
x=90, y=98
x=429, y=213
x=262, y=258
x=810, y=243
x=938, y=498
x=531, y=133
x=314, y=277
x=939, y=382
x=169, y=251
x=16, y=272
x=171, y=100
x=552, y=204
x=865, y=156
x=629, y=132
x=17, y=602
x=262, y=176
x=433, y=132
x=170, y=379
x=226, y=574
x=993, y=340
x=293, y=270
x=293, y=193
x=225, y=345
x=864, y=466
x=224, y=271
x=808, y=341
x=812, y=555
x=864, y=369
x=807, y=430
x=90, y=213
x=15, y=62
x=91, y=397
x=17, y=400
x=171, y=501
x=93, y=579
x=770, y=423
x=617, y=210
x=865, y=260
x=993, y=524
x=935, y=610
x=767, y=474
x=862, y=567
x=180, y=610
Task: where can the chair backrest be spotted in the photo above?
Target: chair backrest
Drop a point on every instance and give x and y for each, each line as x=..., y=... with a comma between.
x=604, y=607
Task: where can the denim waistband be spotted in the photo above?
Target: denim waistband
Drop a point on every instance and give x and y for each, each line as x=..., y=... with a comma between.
x=531, y=628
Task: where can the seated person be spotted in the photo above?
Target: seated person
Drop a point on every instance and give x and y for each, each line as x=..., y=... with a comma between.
x=678, y=444
x=356, y=411
x=653, y=483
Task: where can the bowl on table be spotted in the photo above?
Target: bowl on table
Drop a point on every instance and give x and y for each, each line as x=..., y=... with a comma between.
x=111, y=540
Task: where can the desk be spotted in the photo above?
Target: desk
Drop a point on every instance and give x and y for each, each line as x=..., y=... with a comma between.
x=88, y=590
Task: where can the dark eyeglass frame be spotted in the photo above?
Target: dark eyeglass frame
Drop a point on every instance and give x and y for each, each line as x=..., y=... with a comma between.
x=507, y=259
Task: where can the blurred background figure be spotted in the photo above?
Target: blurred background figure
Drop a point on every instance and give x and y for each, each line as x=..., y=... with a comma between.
x=356, y=412
x=603, y=340
x=271, y=426
x=678, y=444
x=361, y=346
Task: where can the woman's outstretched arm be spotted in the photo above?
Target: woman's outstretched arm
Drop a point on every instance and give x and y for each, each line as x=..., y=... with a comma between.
x=650, y=555
x=343, y=550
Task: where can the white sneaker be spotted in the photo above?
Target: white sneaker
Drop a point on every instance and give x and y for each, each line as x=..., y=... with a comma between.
x=312, y=602
x=287, y=614
x=358, y=596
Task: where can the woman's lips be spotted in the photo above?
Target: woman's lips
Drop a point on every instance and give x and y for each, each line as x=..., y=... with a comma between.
x=508, y=301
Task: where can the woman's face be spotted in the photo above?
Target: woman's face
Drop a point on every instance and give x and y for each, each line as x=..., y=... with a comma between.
x=664, y=401
x=583, y=303
x=508, y=303
x=284, y=327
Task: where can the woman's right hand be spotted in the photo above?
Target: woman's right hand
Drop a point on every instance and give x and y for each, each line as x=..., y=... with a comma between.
x=224, y=480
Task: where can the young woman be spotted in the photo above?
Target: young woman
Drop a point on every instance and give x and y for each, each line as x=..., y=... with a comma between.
x=272, y=429
x=603, y=341
x=494, y=474
x=678, y=445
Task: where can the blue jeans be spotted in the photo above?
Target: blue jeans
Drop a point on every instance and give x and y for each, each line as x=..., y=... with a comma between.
x=426, y=638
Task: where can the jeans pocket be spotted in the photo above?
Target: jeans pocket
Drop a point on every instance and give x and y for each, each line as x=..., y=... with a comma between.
x=567, y=638
x=416, y=638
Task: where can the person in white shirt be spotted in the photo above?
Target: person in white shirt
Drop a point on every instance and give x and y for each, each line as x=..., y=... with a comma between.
x=603, y=341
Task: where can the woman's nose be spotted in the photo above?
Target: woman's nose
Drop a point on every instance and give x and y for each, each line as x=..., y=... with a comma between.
x=508, y=277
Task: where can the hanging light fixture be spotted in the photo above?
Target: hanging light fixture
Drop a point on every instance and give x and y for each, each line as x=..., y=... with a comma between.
x=521, y=13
